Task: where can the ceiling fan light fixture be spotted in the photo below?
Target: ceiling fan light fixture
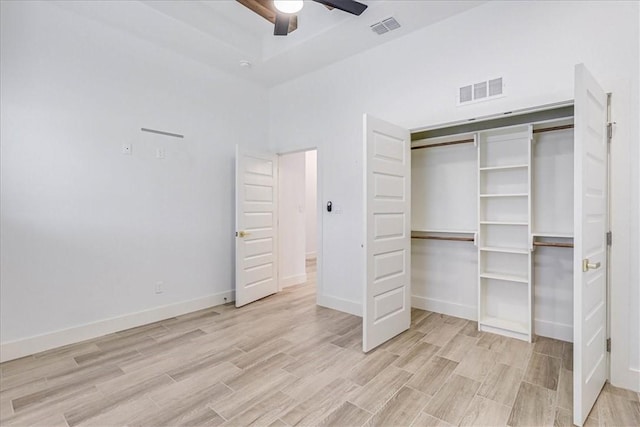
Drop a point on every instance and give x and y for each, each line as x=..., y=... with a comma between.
x=288, y=6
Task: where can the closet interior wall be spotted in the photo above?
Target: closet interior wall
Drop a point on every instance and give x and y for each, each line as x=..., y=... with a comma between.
x=445, y=273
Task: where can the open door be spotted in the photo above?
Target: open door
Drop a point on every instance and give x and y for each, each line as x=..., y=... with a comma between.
x=387, y=219
x=590, y=245
x=256, y=225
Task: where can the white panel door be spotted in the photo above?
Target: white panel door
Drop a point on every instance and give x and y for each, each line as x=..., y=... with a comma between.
x=387, y=220
x=256, y=225
x=590, y=251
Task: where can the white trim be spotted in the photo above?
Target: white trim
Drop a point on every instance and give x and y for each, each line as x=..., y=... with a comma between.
x=27, y=346
x=542, y=328
x=558, y=331
x=630, y=380
x=469, y=312
x=346, y=306
x=319, y=225
x=285, y=282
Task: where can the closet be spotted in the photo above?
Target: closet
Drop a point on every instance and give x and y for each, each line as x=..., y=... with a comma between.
x=502, y=220
x=492, y=226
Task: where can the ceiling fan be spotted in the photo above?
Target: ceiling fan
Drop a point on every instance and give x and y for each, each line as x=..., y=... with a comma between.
x=283, y=13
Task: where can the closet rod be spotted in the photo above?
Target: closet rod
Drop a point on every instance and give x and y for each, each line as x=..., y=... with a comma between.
x=467, y=141
x=553, y=128
x=553, y=244
x=455, y=239
x=442, y=144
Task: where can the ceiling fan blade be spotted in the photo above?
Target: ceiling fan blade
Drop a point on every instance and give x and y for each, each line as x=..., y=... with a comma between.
x=281, y=25
x=351, y=6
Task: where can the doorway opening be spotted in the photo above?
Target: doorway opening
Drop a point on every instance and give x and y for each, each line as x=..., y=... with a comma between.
x=298, y=219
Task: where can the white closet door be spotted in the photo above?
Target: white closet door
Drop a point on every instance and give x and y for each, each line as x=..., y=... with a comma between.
x=387, y=219
x=590, y=252
x=256, y=225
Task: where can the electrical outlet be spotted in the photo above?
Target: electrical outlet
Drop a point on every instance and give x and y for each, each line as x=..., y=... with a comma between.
x=160, y=154
x=126, y=149
x=159, y=287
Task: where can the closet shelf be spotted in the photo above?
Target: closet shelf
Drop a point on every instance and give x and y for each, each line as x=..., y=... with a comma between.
x=451, y=238
x=554, y=235
x=503, y=223
x=445, y=231
x=505, y=277
x=566, y=242
x=505, y=167
x=505, y=195
x=504, y=250
x=508, y=325
x=554, y=244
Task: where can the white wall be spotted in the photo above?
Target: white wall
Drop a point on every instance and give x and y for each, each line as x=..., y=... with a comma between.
x=412, y=81
x=311, y=203
x=292, y=224
x=86, y=231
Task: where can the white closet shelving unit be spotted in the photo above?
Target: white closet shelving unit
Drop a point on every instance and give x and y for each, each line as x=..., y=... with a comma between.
x=509, y=191
x=505, y=291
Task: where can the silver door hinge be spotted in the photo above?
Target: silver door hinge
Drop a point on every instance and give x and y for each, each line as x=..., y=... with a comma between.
x=609, y=345
x=609, y=238
x=609, y=131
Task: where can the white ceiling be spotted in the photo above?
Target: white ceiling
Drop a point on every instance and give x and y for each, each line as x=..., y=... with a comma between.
x=221, y=33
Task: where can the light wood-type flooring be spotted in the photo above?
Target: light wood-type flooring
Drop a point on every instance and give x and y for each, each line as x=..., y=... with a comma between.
x=284, y=361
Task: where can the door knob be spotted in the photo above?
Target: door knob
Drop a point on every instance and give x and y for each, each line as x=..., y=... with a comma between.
x=586, y=265
x=242, y=234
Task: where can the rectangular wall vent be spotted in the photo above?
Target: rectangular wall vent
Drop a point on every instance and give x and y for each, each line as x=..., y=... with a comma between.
x=479, y=91
x=385, y=26
x=495, y=87
x=466, y=94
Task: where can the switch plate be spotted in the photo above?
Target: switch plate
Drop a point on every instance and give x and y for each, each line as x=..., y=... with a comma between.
x=126, y=149
x=159, y=287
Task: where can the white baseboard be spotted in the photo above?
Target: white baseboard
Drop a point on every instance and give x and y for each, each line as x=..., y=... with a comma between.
x=553, y=330
x=543, y=328
x=27, y=346
x=468, y=312
x=340, y=304
x=285, y=282
x=630, y=381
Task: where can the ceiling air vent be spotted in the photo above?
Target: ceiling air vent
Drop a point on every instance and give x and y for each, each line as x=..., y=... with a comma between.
x=385, y=26
x=480, y=91
x=391, y=23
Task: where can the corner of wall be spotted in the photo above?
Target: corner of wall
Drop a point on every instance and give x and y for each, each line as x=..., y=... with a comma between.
x=339, y=304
